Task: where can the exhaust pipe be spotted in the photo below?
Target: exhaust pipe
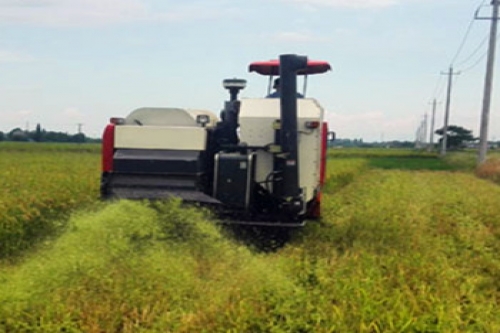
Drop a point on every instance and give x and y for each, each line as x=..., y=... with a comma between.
x=290, y=64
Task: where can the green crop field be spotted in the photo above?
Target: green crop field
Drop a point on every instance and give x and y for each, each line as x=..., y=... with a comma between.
x=408, y=242
x=39, y=184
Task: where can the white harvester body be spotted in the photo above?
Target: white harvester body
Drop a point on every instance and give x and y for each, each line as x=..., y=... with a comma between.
x=163, y=128
x=262, y=162
x=257, y=117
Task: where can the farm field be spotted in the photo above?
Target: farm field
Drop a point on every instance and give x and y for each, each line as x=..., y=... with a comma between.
x=407, y=243
x=39, y=184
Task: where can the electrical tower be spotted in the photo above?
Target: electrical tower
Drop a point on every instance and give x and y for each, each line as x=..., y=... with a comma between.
x=424, y=131
x=431, y=139
x=420, y=135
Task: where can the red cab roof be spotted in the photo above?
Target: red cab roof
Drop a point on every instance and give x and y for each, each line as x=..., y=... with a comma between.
x=272, y=67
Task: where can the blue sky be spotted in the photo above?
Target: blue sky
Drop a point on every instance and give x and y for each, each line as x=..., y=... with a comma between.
x=64, y=62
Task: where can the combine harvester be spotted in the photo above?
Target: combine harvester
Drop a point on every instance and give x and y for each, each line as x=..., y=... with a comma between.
x=261, y=163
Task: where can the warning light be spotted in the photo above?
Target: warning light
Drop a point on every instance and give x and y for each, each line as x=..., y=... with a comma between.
x=312, y=124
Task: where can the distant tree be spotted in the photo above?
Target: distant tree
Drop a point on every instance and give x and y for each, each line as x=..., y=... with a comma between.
x=18, y=134
x=42, y=135
x=93, y=140
x=456, y=137
x=51, y=136
x=37, y=136
x=80, y=137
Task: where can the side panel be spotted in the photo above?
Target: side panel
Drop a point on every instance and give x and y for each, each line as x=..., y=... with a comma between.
x=315, y=209
x=149, y=161
x=233, y=179
x=324, y=151
x=256, y=128
x=167, y=117
x=157, y=137
x=108, y=140
x=155, y=162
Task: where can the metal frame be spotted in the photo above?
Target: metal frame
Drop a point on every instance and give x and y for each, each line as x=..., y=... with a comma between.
x=250, y=168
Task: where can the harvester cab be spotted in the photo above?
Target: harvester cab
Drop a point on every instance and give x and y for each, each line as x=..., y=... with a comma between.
x=261, y=163
x=271, y=69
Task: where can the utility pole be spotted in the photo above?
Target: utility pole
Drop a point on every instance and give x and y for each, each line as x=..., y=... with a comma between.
x=417, y=138
x=483, y=136
x=420, y=135
x=424, y=134
x=433, y=121
x=447, y=111
x=80, y=128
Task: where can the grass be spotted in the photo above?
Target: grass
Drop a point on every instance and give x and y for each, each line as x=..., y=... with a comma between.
x=342, y=172
x=379, y=152
x=465, y=160
x=490, y=170
x=39, y=186
x=393, y=253
x=389, y=256
x=30, y=147
x=409, y=163
x=132, y=267
x=406, y=244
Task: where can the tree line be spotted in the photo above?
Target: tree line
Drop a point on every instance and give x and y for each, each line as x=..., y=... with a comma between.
x=42, y=135
x=457, y=138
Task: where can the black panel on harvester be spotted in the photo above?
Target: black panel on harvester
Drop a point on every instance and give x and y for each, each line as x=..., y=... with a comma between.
x=234, y=176
x=157, y=161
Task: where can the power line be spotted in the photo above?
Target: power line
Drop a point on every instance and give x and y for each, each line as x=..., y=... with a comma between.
x=476, y=63
x=473, y=53
x=439, y=88
x=438, y=83
x=464, y=40
x=466, y=36
x=438, y=91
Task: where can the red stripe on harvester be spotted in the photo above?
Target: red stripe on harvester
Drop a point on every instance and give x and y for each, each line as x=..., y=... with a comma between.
x=316, y=208
x=324, y=148
x=108, y=144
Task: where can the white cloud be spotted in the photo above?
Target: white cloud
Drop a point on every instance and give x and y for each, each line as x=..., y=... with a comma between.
x=367, y=116
x=23, y=113
x=26, y=3
x=346, y=3
x=372, y=126
x=12, y=119
x=102, y=12
x=70, y=12
x=194, y=12
x=14, y=57
x=294, y=37
x=72, y=113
